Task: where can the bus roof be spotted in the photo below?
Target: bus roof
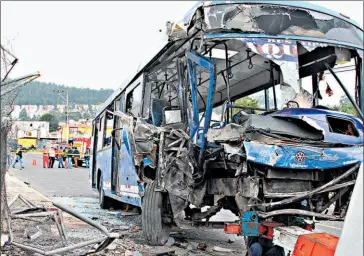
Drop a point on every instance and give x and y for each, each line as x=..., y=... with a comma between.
x=298, y=4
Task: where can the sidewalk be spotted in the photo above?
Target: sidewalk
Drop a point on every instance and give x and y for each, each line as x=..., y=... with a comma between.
x=15, y=186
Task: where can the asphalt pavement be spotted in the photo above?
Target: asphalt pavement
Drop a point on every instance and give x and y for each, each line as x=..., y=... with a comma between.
x=54, y=182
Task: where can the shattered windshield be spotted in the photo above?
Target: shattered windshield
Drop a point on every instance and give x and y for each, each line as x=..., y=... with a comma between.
x=281, y=20
x=329, y=93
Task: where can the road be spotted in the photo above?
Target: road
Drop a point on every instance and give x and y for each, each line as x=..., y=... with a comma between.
x=71, y=187
x=54, y=182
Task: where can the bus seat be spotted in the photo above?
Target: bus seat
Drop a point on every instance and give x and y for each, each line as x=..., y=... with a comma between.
x=157, y=106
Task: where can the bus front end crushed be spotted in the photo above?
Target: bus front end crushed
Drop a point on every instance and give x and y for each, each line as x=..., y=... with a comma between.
x=241, y=110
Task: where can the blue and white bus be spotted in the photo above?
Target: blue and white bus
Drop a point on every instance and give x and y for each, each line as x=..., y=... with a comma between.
x=246, y=108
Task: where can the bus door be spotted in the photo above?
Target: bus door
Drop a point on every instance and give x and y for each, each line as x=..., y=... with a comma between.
x=197, y=65
x=128, y=178
x=116, y=144
x=95, y=132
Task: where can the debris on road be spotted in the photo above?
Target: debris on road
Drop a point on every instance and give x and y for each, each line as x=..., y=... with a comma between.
x=35, y=235
x=220, y=249
x=170, y=241
x=230, y=241
x=202, y=246
x=133, y=228
x=168, y=253
x=116, y=214
x=112, y=246
x=33, y=213
x=4, y=239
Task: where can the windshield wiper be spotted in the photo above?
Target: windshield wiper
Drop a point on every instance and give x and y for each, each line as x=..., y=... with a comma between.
x=346, y=91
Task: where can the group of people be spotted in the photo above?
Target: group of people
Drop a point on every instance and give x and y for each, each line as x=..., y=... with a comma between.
x=67, y=158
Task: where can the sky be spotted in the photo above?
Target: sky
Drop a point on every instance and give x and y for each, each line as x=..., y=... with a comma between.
x=97, y=44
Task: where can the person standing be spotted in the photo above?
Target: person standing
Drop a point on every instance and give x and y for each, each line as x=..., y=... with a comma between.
x=87, y=158
x=64, y=156
x=45, y=157
x=60, y=158
x=52, y=157
x=19, y=157
x=76, y=156
x=69, y=158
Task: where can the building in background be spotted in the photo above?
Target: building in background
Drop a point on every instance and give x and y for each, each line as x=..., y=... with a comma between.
x=29, y=133
x=81, y=129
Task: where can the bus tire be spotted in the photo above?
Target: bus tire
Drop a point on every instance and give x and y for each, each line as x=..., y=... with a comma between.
x=104, y=201
x=154, y=230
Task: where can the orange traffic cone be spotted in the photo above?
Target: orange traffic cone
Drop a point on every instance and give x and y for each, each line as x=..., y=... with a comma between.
x=34, y=161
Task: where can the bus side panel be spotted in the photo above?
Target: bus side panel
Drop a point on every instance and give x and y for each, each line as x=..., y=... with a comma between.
x=129, y=189
x=91, y=174
x=103, y=163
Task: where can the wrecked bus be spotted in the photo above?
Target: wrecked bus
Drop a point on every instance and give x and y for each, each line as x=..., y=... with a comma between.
x=237, y=112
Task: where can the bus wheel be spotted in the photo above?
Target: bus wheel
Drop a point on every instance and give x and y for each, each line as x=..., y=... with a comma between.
x=155, y=227
x=104, y=201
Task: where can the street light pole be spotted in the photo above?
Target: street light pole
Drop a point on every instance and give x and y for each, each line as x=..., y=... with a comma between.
x=67, y=116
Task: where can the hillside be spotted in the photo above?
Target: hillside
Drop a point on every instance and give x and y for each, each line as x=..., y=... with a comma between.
x=40, y=93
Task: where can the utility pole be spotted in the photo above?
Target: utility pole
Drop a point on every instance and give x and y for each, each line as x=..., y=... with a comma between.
x=67, y=108
x=67, y=118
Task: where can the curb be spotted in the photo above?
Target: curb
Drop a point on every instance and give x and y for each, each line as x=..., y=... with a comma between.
x=14, y=179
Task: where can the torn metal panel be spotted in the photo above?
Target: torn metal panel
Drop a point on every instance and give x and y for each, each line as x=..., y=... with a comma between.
x=231, y=132
x=223, y=186
x=232, y=150
x=280, y=126
x=249, y=187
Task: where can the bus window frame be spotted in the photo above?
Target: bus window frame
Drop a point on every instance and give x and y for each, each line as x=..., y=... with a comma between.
x=100, y=136
x=138, y=82
x=105, y=146
x=121, y=98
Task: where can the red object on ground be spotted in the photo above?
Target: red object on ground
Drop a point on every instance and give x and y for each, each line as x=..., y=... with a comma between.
x=232, y=228
x=316, y=244
x=266, y=229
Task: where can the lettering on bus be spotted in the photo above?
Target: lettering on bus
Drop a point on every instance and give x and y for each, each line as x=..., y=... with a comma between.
x=275, y=49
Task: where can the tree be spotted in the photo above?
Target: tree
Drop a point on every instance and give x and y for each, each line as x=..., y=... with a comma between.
x=246, y=102
x=349, y=109
x=53, y=121
x=345, y=106
x=23, y=115
x=40, y=93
